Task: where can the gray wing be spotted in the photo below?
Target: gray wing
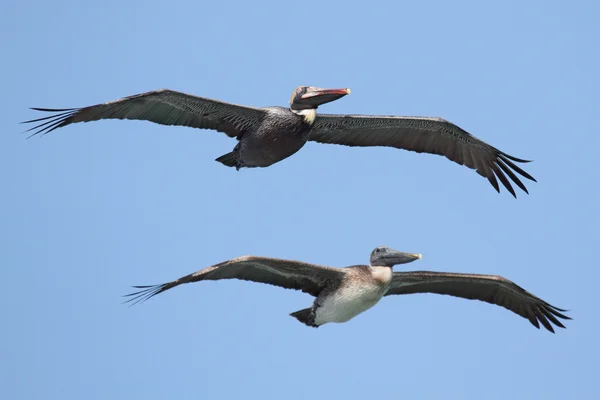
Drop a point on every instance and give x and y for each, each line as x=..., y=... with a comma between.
x=288, y=274
x=165, y=107
x=422, y=135
x=492, y=289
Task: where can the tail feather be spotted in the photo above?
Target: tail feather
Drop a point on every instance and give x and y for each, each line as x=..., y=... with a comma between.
x=229, y=159
x=306, y=316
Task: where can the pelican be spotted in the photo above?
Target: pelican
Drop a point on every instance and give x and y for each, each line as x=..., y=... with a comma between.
x=270, y=134
x=343, y=293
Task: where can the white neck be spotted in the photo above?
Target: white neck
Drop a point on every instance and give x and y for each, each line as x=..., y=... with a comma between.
x=382, y=274
x=309, y=115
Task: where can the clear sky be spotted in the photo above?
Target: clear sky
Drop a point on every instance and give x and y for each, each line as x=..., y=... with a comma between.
x=94, y=208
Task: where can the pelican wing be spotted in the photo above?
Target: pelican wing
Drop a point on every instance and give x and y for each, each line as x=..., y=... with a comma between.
x=489, y=288
x=422, y=135
x=165, y=107
x=309, y=278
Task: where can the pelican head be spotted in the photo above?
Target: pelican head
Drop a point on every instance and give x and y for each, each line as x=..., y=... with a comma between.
x=385, y=257
x=309, y=97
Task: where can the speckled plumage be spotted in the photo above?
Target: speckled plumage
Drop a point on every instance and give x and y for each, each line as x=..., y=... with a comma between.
x=357, y=292
x=343, y=293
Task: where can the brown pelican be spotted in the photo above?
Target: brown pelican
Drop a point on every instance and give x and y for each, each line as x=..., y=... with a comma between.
x=270, y=134
x=343, y=293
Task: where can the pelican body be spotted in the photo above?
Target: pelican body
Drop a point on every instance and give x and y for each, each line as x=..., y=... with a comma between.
x=360, y=289
x=343, y=293
x=281, y=134
x=269, y=135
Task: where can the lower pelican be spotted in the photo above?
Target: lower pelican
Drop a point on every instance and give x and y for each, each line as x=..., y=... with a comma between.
x=343, y=293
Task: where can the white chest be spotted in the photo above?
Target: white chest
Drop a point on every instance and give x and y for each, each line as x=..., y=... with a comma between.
x=353, y=299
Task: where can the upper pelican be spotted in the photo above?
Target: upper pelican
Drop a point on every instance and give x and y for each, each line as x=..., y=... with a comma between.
x=270, y=134
x=343, y=293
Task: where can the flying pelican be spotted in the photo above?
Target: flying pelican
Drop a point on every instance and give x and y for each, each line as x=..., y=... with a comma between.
x=343, y=293
x=270, y=134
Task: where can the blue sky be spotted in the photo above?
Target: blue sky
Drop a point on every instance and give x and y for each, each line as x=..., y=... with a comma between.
x=92, y=209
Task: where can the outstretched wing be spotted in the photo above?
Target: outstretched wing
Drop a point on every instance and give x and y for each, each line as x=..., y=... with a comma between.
x=492, y=289
x=422, y=135
x=165, y=107
x=288, y=274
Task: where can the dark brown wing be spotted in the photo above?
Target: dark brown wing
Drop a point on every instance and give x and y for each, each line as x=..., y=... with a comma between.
x=288, y=274
x=489, y=288
x=165, y=107
x=422, y=135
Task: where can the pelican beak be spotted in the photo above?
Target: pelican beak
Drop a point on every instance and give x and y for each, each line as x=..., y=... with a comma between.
x=318, y=96
x=397, y=257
